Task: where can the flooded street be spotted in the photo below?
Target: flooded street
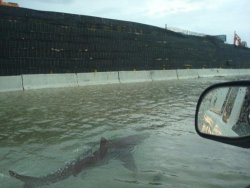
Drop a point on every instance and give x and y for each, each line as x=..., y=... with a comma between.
x=41, y=130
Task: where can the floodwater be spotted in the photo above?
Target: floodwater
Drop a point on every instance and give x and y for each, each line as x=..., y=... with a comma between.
x=41, y=130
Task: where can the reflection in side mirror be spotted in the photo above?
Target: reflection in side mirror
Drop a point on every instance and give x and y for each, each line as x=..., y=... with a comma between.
x=225, y=112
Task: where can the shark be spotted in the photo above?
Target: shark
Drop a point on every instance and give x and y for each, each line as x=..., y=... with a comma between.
x=119, y=149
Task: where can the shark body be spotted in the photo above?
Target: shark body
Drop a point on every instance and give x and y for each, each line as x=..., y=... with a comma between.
x=109, y=149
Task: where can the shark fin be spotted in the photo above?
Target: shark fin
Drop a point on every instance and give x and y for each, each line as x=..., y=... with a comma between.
x=128, y=161
x=103, y=147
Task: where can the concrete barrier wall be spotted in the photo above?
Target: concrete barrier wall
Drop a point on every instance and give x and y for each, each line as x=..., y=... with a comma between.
x=187, y=73
x=222, y=72
x=97, y=78
x=11, y=83
x=204, y=73
x=158, y=75
x=244, y=72
x=233, y=72
x=39, y=81
x=228, y=72
x=134, y=76
x=218, y=72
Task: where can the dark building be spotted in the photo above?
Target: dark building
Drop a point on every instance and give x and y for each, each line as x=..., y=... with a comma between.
x=34, y=42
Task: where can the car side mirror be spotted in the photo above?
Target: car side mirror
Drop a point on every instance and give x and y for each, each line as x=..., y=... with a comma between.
x=223, y=113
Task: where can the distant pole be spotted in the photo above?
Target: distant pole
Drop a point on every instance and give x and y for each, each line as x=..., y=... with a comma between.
x=235, y=38
x=166, y=26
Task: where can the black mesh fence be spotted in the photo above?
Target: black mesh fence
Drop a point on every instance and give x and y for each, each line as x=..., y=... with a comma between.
x=35, y=42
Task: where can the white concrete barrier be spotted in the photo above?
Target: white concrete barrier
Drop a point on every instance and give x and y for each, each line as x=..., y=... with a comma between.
x=11, y=83
x=244, y=72
x=223, y=72
x=158, y=75
x=187, y=73
x=228, y=72
x=233, y=72
x=39, y=81
x=134, y=76
x=203, y=73
x=97, y=78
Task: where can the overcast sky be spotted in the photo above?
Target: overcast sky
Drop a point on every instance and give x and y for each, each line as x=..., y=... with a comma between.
x=212, y=17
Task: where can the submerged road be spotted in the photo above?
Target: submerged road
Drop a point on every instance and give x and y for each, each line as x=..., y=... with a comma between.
x=40, y=130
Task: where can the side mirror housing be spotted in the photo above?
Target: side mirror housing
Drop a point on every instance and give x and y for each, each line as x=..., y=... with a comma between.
x=223, y=113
